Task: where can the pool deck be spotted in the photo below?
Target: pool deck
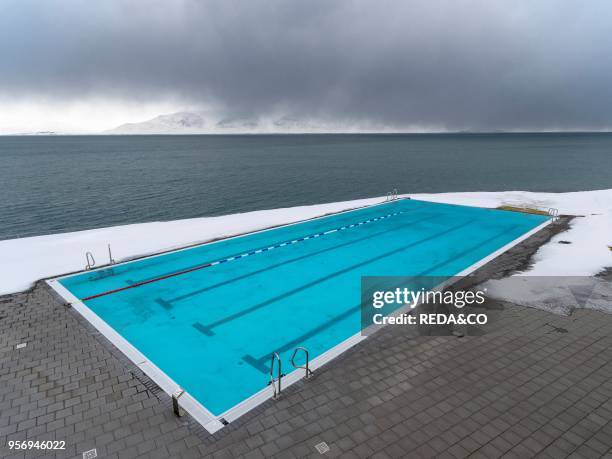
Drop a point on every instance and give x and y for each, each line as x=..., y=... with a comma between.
x=538, y=385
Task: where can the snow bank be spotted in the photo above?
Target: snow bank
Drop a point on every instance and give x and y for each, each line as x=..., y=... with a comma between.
x=25, y=260
x=560, y=295
x=590, y=234
x=560, y=278
x=29, y=259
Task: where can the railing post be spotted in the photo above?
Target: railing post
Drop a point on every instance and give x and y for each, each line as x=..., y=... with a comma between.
x=111, y=260
x=273, y=380
x=306, y=366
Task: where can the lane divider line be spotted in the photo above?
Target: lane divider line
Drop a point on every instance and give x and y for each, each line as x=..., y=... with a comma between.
x=243, y=255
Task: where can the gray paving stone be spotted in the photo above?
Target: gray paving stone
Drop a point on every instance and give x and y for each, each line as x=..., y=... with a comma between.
x=518, y=392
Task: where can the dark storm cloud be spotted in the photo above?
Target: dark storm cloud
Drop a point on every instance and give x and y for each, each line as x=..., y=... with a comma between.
x=455, y=64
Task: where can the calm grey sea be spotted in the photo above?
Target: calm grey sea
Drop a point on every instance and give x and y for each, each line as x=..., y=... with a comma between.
x=51, y=184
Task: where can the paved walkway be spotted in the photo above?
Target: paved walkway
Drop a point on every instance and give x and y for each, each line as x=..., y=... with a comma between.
x=546, y=392
x=538, y=386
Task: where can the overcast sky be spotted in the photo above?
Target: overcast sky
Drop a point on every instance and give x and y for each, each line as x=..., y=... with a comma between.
x=450, y=65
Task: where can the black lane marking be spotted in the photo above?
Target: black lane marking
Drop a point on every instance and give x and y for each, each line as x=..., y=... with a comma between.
x=331, y=276
x=293, y=260
x=163, y=303
x=202, y=329
x=256, y=363
x=259, y=363
x=344, y=215
x=242, y=255
x=406, y=211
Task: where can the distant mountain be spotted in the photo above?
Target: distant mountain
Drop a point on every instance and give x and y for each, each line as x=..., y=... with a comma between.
x=237, y=123
x=208, y=123
x=34, y=133
x=175, y=123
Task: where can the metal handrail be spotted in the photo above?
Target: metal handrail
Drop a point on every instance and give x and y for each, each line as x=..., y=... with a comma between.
x=91, y=262
x=111, y=260
x=391, y=195
x=273, y=380
x=305, y=366
x=554, y=213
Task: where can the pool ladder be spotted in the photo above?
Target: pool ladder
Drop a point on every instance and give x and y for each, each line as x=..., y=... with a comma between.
x=91, y=262
x=111, y=260
x=553, y=213
x=391, y=195
x=275, y=381
x=304, y=367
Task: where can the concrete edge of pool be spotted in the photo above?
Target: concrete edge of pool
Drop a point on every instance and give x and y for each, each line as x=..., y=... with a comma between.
x=212, y=423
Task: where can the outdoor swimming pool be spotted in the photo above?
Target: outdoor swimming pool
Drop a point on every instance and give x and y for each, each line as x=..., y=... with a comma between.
x=208, y=318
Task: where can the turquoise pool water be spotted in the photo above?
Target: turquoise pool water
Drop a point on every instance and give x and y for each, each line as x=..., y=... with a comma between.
x=213, y=328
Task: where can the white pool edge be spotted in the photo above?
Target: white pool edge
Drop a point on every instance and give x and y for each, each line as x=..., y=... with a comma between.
x=199, y=412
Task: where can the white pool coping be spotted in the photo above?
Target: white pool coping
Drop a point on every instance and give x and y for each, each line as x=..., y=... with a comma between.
x=212, y=423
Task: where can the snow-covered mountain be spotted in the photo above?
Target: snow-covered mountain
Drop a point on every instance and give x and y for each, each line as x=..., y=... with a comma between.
x=213, y=123
x=207, y=123
x=175, y=123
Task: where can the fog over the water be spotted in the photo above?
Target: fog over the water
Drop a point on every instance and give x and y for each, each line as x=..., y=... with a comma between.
x=437, y=64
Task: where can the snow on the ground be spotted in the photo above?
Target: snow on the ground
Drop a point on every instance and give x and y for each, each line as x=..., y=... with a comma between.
x=560, y=295
x=26, y=260
x=590, y=234
x=560, y=278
